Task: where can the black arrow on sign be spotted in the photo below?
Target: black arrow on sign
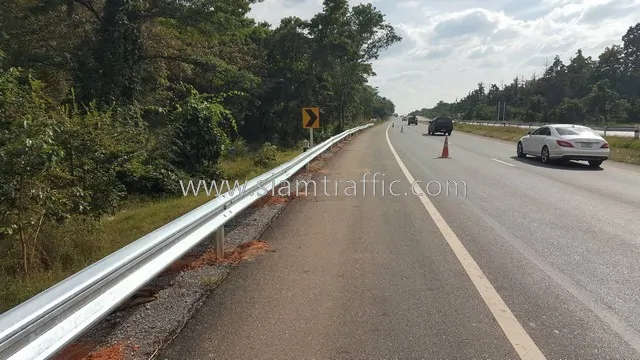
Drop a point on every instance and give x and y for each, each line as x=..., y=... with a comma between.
x=312, y=117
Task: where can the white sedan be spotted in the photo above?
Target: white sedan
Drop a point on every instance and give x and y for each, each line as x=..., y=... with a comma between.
x=564, y=142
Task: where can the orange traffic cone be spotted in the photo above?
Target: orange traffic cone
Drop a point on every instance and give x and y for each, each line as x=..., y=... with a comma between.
x=445, y=148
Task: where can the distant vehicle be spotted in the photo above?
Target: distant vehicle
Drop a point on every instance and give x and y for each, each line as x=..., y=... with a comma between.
x=564, y=142
x=441, y=124
x=412, y=120
x=404, y=118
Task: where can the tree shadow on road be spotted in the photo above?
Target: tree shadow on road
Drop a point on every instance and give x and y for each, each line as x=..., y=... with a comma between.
x=560, y=165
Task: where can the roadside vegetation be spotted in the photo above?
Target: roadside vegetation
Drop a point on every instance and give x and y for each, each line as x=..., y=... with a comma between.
x=623, y=149
x=105, y=105
x=602, y=91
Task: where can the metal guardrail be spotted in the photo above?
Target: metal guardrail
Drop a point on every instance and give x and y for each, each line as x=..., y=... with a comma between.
x=626, y=131
x=43, y=325
x=629, y=128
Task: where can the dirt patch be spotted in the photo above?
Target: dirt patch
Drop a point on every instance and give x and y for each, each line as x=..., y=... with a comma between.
x=75, y=352
x=86, y=351
x=242, y=252
x=269, y=200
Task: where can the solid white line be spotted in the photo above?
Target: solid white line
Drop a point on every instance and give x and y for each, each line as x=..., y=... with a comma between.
x=502, y=162
x=520, y=340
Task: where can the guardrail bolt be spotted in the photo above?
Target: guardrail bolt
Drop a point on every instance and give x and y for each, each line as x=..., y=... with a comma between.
x=218, y=238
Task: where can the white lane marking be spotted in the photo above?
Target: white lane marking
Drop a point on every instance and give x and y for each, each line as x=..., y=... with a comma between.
x=517, y=335
x=502, y=162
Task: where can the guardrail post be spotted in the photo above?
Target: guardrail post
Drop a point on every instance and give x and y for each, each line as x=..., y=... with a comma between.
x=605, y=130
x=218, y=238
x=636, y=133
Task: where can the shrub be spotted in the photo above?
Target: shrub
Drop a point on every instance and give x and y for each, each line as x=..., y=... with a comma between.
x=267, y=155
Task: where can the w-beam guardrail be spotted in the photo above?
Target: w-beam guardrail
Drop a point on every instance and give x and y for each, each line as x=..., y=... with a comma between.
x=43, y=325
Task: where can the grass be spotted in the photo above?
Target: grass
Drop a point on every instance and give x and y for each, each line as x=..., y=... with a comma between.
x=81, y=243
x=623, y=149
x=242, y=168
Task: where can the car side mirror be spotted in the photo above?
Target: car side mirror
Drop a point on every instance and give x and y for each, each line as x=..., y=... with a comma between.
x=528, y=132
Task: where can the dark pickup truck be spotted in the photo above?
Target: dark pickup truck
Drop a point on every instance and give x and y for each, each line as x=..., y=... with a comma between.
x=412, y=120
x=441, y=124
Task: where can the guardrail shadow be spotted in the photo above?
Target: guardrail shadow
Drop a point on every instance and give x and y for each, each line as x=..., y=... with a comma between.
x=557, y=164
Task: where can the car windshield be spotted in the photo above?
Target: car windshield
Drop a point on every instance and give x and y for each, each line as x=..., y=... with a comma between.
x=573, y=130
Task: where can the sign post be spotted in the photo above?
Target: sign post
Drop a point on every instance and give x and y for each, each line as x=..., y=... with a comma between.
x=311, y=120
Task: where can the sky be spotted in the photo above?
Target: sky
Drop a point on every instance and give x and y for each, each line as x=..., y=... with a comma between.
x=449, y=46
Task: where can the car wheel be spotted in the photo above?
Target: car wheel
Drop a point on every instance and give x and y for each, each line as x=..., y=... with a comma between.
x=520, y=152
x=595, y=163
x=544, y=155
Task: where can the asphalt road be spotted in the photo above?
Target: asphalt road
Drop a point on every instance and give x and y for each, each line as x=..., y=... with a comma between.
x=530, y=261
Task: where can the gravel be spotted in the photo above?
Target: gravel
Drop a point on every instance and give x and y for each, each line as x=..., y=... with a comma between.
x=168, y=302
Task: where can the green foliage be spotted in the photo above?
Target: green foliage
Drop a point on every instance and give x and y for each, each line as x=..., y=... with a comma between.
x=202, y=126
x=55, y=165
x=267, y=155
x=587, y=91
x=239, y=147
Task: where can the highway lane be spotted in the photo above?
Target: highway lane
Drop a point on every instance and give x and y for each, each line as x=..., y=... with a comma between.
x=374, y=277
x=568, y=235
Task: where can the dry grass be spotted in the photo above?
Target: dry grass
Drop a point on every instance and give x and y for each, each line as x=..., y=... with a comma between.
x=623, y=149
x=245, y=251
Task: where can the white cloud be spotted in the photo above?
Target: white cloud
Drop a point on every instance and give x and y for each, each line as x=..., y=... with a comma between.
x=450, y=46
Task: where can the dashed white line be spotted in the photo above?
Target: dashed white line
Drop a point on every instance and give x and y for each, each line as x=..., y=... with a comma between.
x=517, y=335
x=502, y=162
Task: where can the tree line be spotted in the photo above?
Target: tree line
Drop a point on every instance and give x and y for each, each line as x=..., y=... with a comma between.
x=598, y=91
x=101, y=100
